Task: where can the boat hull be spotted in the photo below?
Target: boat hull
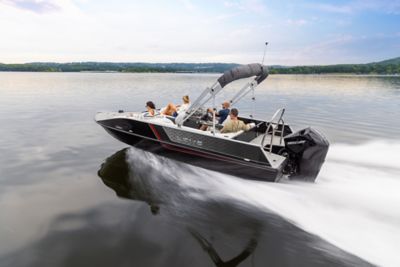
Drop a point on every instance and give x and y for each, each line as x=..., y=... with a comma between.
x=147, y=137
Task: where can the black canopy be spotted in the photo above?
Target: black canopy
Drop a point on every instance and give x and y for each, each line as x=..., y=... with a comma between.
x=244, y=71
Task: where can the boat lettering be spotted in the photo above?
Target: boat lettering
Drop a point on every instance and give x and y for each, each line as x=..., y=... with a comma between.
x=189, y=141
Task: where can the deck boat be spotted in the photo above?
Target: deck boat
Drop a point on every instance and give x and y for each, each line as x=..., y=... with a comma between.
x=268, y=151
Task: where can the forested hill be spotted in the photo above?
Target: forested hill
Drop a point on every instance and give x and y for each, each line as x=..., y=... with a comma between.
x=119, y=67
x=390, y=66
x=389, y=61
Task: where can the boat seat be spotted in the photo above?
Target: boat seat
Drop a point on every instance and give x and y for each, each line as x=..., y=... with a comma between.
x=210, y=124
x=235, y=134
x=170, y=118
x=231, y=135
x=146, y=114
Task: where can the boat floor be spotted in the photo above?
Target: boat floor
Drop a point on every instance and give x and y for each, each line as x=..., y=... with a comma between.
x=275, y=141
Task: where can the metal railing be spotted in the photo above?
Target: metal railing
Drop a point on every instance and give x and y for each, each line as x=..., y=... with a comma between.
x=276, y=120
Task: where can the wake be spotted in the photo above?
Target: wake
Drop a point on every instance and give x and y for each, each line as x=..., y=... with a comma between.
x=354, y=204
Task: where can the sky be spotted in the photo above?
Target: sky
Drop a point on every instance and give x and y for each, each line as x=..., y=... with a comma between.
x=301, y=32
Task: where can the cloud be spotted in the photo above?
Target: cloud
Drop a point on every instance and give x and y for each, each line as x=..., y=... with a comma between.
x=343, y=9
x=323, y=51
x=298, y=22
x=331, y=43
x=385, y=6
x=36, y=6
x=188, y=4
x=253, y=6
x=221, y=18
x=347, y=48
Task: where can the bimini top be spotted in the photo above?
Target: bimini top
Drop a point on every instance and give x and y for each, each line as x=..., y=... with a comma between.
x=245, y=71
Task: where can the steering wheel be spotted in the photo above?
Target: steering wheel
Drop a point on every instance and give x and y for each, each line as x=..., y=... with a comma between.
x=207, y=117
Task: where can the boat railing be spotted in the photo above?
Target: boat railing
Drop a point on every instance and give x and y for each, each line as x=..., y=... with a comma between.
x=273, y=127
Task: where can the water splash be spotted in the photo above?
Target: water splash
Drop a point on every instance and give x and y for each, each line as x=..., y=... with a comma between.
x=355, y=203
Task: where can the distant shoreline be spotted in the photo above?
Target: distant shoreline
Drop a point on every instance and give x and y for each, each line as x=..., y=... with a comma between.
x=386, y=67
x=272, y=74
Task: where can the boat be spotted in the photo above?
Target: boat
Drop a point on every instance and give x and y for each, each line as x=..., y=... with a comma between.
x=268, y=151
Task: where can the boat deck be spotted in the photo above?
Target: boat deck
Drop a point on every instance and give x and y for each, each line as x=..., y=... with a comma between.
x=275, y=141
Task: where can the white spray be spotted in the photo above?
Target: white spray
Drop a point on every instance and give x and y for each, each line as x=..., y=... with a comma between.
x=354, y=204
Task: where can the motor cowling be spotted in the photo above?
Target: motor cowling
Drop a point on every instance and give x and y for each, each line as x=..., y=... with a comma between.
x=306, y=151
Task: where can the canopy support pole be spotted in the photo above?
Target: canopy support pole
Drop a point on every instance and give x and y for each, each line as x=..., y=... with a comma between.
x=204, y=97
x=253, y=98
x=244, y=91
x=214, y=110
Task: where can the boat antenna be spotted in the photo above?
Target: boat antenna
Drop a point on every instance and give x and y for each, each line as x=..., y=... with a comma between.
x=265, y=50
x=253, y=97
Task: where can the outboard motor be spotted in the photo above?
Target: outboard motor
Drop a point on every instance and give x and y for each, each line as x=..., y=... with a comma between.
x=306, y=151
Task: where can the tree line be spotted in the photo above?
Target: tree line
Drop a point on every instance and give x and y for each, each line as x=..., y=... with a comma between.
x=343, y=69
x=384, y=67
x=119, y=67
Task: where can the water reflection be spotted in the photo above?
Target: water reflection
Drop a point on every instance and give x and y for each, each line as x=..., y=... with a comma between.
x=229, y=232
x=129, y=182
x=209, y=248
x=162, y=217
x=115, y=173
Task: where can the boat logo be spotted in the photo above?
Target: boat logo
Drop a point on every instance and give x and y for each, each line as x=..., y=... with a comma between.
x=189, y=141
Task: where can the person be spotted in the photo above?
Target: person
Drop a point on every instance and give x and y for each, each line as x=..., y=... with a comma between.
x=234, y=124
x=151, y=108
x=222, y=114
x=174, y=110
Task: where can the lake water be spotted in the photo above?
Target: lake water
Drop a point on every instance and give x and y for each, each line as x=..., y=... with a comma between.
x=60, y=174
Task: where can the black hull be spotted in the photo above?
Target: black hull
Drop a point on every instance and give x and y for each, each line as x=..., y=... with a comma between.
x=196, y=157
x=124, y=137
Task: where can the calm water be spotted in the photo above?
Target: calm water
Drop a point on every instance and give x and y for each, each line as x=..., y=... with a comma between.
x=71, y=195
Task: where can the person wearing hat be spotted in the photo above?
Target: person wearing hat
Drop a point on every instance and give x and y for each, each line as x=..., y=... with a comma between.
x=234, y=124
x=174, y=110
